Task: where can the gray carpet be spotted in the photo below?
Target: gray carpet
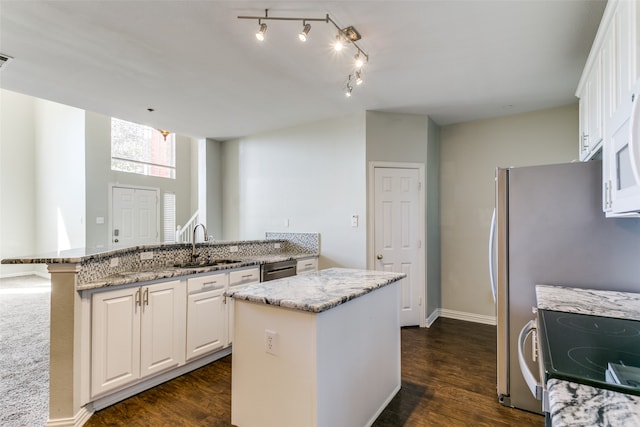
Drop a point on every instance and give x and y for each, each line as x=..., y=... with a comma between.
x=24, y=351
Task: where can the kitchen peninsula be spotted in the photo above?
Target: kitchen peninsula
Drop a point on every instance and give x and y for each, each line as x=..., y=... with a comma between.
x=79, y=280
x=318, y=349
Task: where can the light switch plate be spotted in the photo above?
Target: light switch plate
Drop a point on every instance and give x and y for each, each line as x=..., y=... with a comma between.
x=146, y=255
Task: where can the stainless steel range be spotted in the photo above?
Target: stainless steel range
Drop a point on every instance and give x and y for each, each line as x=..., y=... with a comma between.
x=599, y=351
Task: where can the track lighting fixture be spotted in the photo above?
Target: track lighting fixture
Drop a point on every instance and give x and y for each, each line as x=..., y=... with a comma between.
x=358, y=78
x=305, y=31
x=261, y=31
x=346, y=36
x=347, y=93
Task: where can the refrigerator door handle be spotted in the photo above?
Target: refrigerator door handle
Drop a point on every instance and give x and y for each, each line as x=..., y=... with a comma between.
x=534, y=386
x=492, y=254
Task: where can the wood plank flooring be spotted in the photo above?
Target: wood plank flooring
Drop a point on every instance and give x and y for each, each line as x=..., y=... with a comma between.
x=448, y=379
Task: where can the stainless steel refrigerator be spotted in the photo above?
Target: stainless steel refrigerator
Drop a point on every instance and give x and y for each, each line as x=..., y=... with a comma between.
x=549, y=228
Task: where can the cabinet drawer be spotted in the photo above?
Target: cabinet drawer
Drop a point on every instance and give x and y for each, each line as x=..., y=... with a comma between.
x=207, y=283
x=309, y=264
x=242, y=277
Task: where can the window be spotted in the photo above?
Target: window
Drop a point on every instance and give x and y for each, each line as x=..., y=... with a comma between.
x=169, y=202
x=141, y=149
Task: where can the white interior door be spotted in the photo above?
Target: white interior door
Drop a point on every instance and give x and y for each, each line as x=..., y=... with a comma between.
x=134, y=214
x=398, y=235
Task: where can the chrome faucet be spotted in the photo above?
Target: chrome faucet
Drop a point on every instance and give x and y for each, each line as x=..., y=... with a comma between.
x=193, y=240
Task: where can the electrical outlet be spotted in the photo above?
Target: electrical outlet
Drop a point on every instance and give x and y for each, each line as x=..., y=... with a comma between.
x=146, y=255
x=114, y=262
x=276, y=245
x=271, y=342
x=233, y=249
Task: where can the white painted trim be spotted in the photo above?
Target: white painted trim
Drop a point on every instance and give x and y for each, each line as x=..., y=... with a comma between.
x=422, y=222
x=469, y=317
x=433, y=317
x=81, y=417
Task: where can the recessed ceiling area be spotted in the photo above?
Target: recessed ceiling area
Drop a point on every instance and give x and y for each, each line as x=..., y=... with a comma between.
x=205, y=75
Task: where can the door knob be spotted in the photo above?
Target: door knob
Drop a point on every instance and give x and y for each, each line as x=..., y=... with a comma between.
x=379, y=256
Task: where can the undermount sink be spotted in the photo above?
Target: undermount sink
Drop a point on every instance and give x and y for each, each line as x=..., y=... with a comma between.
x=210, y=263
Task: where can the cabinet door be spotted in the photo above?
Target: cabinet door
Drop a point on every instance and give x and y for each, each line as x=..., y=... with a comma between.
x=237, y=279
x=594, y=107
x=206, y=322
x=162, y=327
x=115, y=342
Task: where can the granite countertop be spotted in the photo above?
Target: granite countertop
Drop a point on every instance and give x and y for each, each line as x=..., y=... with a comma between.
x=623, y=305
x=156, y=273
x=79, y=255
x=316, y=292
x=573, y=404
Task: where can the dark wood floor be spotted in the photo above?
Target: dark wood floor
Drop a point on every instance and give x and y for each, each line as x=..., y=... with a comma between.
x=448, y=379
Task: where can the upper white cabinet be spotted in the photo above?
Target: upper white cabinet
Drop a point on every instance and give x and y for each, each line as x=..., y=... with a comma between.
x=136, y=332
x=591, y=112
x=606, y=92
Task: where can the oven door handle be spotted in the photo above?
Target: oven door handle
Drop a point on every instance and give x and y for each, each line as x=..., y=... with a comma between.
x=534, y=386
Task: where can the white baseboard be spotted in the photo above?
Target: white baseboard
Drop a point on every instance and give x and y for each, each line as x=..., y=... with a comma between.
x=469, y=317
x=81, y=417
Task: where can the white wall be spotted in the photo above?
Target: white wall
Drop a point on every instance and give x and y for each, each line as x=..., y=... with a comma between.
x=314, y=175
x=17, y=179
x=60, y=177
x=470, y=152
x=42, y=178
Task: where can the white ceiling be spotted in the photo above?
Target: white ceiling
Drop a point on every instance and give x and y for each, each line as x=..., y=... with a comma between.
x=205, y=74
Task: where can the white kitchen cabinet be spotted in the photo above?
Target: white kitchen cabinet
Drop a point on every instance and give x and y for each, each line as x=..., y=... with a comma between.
x=136, y=332
x=307, y=264
x=614, y=55
x=591, y=113
x=206, y=314
x=239, y=278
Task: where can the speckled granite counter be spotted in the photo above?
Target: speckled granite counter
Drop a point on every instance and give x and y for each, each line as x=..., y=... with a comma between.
x=102, y=267
x=623, y=305
x=156, y=273
x=316, y=292
x=573, y=404
x=320, y=349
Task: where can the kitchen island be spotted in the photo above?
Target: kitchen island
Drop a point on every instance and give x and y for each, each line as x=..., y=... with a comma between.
x=77, y=275
x=319, y=349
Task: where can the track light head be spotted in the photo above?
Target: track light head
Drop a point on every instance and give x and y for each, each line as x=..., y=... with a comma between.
x=338, y=45
x=359, y=60
x=261, y=31
x=305, y=31
x=358, y=78
x=347, y=93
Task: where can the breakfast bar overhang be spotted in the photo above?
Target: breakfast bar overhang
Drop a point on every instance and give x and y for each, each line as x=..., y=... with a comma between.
x=318, y=349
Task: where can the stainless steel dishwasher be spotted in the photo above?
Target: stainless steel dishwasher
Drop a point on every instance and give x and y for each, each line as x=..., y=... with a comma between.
x=277, y=270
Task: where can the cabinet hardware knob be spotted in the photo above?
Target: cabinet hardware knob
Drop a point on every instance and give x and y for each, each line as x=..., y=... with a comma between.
x=379, y=256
